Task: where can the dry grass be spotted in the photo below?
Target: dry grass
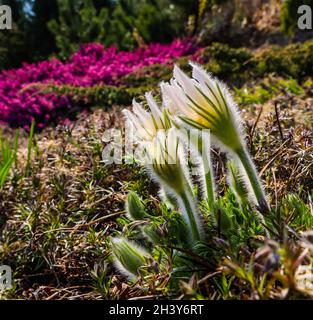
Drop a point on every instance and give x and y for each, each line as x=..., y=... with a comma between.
x=56, y=223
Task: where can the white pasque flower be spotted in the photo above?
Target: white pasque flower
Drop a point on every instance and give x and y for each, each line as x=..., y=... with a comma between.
x=165, y=158
x=147, y=123
x=203, y=102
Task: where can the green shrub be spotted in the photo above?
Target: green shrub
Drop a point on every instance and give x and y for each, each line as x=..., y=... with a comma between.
x=149, y=75
x=266, y=89
x=104, y=96
x=237, y=64
x=293, y=60
x=226, y=62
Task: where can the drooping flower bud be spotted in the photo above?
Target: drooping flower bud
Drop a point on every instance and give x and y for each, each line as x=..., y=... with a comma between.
x=166, y=164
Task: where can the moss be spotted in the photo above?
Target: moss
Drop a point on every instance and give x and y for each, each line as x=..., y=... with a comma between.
x=293, y=60
x=239, y=64
x=226, y=62
x=98, y=95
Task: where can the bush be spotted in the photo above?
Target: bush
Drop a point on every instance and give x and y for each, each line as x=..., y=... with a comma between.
x=98, y=76
x=224, y=61
x=237, y=64
x=294, y=60
x=104, y=96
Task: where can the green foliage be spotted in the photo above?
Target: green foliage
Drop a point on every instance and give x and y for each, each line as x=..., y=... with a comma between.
x=72, y=202
x=78, y=22
x=292, y=63
x=293, y=212
x=8, y=154
x=124, y=24
x=30, y=146
x=58, y=26
x=149, y=75
x=280, y=68
x=163, y=20
x=102, y=280
x=267, y=89
x=226, y=62
x=104, y=96
x=238, y=64
x=294, y=60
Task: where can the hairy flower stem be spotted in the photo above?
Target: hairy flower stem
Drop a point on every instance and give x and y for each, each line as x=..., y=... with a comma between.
x=246, y=161
x=202, y=147
x=168, y=198
x=208, y=179
x=189, y=210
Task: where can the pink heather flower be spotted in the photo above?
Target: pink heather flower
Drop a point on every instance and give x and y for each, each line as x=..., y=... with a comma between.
x=91, y=65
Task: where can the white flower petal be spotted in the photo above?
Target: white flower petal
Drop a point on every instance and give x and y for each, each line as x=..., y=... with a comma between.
x=206, y=81
x=145, y=119
x=189, y=86
x=141, y=113
x=157, y=114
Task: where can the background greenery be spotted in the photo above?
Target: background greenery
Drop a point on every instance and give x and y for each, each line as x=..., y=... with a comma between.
x=59, y=27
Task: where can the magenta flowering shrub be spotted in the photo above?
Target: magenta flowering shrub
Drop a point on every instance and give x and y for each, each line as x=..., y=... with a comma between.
x=91, y=65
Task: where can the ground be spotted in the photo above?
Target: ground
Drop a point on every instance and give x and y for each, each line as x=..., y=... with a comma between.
x=56, y=219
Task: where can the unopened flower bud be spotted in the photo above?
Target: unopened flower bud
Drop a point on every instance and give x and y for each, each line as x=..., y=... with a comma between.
x=129, y=257
x=134, y=207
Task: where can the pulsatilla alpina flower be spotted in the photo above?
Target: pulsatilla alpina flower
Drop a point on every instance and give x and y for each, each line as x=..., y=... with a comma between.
x=176, y=101
x=147, y=123
x=164, y=157
x=163, y=153
x=202, y=102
